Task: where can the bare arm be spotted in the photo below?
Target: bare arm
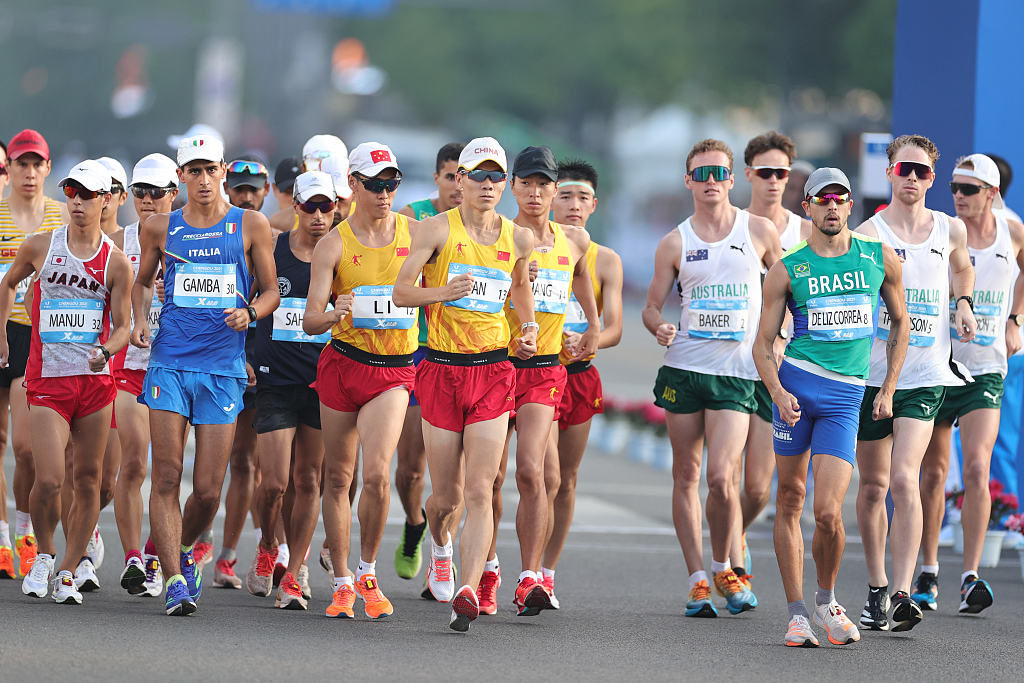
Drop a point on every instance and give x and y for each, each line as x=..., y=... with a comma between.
x=257, y=231
x=427, y=240
x=120, y=279
x=407, y=211
x=666, y=270
x=776, y=291
x=766, y=240
x=521, y=293
x=583, y=288
x=899, y=331
x=962, y=279
x=609, y=272
x=152, y=238
x=26, y=262
x=326, y=257
x=1013, y=333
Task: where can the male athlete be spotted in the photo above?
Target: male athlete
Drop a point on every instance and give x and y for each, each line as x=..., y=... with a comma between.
x=995, y=244
x=210, y=252
x=890, y=449
x=472, y=259
x=288, y=169
x=714, y=261
x=830, y=283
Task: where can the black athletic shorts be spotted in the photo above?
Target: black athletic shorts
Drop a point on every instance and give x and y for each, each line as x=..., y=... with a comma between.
x=19, y=339
x=284, y=406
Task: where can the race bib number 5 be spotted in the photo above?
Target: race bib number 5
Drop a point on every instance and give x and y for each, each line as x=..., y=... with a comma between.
x=373, y=309
x=70, y=320
x=205, y=285
x=923, y=321
x=490, y=288
x=839, y=318
x=719, y=319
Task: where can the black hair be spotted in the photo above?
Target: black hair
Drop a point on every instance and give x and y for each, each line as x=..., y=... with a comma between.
x=1005, y=172
x=578, y=169
x=449, y=152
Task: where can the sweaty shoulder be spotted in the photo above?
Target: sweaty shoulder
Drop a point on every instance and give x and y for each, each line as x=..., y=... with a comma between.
x=158, y=221
x=867, y=228
x=254, y=218
x=577, y=235
x=523, y=239
x=1016, y=232
x=759, y=226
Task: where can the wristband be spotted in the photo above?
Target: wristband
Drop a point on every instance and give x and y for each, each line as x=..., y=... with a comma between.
x=525, y=326
x=252, y=313
x=969, y=300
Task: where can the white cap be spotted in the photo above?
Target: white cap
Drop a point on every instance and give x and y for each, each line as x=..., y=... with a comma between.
x=337, y=167
x=312, y=183
x=116, y=170
x=200, y=148
x=370, y=158
x=196, y=129
x=320, y=147
x=480, y=150
x=90, y=174
x=984, y=170
x=155, y=169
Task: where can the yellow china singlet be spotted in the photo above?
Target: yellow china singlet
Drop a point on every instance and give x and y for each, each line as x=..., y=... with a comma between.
x=375, y=325
x=12, y=237
x=563, y=355
x=475, y=323
x=550, y=296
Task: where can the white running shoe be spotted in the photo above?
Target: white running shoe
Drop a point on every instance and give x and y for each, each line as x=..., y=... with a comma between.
x=37, y=581
x=133, y=577
x=440, y=577
x=832, y=617
x=94, y=549
x=85, y=576
x=800, y=633
x=303, y=580
x=64, y=590
x=154, y=585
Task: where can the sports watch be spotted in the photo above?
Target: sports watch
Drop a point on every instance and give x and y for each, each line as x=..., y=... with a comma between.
x=1017, y=318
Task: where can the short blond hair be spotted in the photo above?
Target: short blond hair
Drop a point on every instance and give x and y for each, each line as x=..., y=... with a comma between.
x=709, y=145
x=919, y=141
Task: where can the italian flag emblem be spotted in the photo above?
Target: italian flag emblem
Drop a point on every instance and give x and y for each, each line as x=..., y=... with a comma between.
x=198, y=143
x=155, y=391
x=231, y=228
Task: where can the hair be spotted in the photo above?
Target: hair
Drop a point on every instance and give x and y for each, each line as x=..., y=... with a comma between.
x=1005, y=172
x=709, y=145
x=919, y=141
x=964, y=162
x=767, y=142
x=578, y=169
x=449, y=152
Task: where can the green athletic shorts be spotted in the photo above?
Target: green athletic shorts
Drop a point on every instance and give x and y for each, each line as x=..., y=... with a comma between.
x=918, y=404
x=683, y=391
x=764, y=401
x=985, y=392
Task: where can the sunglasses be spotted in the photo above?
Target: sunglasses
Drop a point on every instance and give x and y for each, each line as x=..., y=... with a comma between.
x=70, y=191
x=153, y=192
x=479, y=175
x=823, y=200
x=250, y=167
x=702, y=173
x=378, y=185
x=903, y=169
x=766, y=172
x=966, y=189
x=313, y=207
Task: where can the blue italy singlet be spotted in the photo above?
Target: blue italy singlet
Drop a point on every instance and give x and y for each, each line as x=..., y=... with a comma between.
x=205, y=272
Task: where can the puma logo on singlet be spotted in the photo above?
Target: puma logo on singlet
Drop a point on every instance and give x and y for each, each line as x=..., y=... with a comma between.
x=938, y=252
x=739, y=248
x=869, y=256
x=1005, y=257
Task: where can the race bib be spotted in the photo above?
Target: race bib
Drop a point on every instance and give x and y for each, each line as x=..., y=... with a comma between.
x=490, y=288
x=924, y=320
x=205, y=285
x=839, y=318
x=70, y=320
x=988, y=317
x=373, y=309
x=551, y=291
x=21, y=289
x=288, y=323
x=154, y=316
x=575, y=318
x=719, y=319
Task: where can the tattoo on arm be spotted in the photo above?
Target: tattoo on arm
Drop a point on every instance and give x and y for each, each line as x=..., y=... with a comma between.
x=891, y=344
x=771, y=359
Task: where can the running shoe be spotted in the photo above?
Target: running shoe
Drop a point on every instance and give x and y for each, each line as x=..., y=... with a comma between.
x=375, y=604
x=64, y=590
x=748, y=563
x=203, y=554
x=260, y=578
x=738, y=597
x=905, y=612
x=873, y=617
x=549, y=585
x=975, y=595
x=530, y=598
x=487, y=592
x=179, y=602
x=699, y=603
x=94, y=548
x=926, y=591
x=281, y=564
x=133, y=578
x=289, y=594
x=154, y=584
x=303, y=578
x=26, y=549
x=37, y=580
x=325, y=561
x=800, y=633
x=7, y=563
x=440, y=579
x=193, y=577
x=224, y=574
x=465, y=609
x=341, y=603
x=409, y=553
x=832, y=617
x=85, y=576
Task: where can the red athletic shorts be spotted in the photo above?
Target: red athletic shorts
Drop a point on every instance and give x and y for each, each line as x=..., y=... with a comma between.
x=346, y=385
x=543, y=385
x=129, y=380
x=72, y=397
x=582, y=399
x=453, y=396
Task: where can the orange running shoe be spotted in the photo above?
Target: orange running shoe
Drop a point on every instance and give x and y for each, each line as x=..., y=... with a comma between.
x=341, y=603
x=376, y=605
x=531, y=598
x=289, y=594
x=7, y=563
x=487, y=592
x=738, y=598
x=202, y=553
x=27, y=551
x=699, y=603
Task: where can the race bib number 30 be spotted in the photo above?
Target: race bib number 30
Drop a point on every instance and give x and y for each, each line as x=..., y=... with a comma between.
x=205, y=285
x=988, y=316
x=575, y=318
x=288, y=323
x=924, y=318
x=373, y=309
x=719, y=319
x=839, y=318
x=70, y=320
x=490, y=288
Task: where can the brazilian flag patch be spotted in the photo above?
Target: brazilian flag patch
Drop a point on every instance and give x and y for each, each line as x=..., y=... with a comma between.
x=802, y=269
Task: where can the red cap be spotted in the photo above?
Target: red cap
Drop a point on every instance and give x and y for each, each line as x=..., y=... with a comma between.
x=28, y=141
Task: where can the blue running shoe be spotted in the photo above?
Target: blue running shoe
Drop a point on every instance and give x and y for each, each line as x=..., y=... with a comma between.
x=926, y=591
x=975, y=595
x=179, y=604
x=192, y=574
x=738, y=598
x=699, y=604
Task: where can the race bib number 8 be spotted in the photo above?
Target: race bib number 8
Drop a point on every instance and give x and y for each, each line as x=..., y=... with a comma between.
x=575, y=318
x=989, y=317
x=288, y=323
x=373, y=309
x=70, y=320
x=839, y=318
x=923, y=320
x=490, y=288
x=205, y=285
x=719, y=319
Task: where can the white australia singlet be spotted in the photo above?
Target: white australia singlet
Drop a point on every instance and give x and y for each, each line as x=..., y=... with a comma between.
x=790, y=237
x=720, y=290
x=136, y=358
x=993, y=294
x=926, y=282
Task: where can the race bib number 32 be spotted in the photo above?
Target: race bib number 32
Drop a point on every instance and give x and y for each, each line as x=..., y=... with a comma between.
x=205, y=285
x=70, y=320
x=490, y=288
x=719, y=319
x=373, y=309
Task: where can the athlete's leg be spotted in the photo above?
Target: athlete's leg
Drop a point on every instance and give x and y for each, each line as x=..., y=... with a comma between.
x=978, y=431
x=379, y=425
x=305, y=480
x=753, y=481
x=165, y=520
x=339, y=430
x=910, y=439
x=874, y=458
x=89, y=434
x=686, y=432
x=497, y=505
x=934, y=469
x=552, y=483
x=274, y=454
x=412, y=467
x=571, y=444
x=49, y=437
x=133, y=432
x=21, y=440
x=213, y=450
x=789, y=506
x=533, y=426
x=831, y=480
x=726, y=432
x=5, y=397
x=239, y=495
x=111, y=464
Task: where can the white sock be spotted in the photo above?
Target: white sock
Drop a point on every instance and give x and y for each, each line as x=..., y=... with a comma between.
x=720, y=566
x=5, y=537
x=963, y=577
x=282, y=554
x=364, y=568
x=930, y=569
x=527, y=574
x=439, y=551
x=23, y=523
x=697, y=577
x=548, y=573
x=491, y=565
x=340, y=581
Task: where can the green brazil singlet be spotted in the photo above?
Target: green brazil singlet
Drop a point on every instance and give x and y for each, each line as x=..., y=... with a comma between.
x=834, y=303
x=424, y=208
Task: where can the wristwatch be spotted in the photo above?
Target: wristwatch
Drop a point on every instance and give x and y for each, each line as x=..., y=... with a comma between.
x=252, y=313
x=106, y=354
x=969, y=300
x=784, y=333
x=1017, y=318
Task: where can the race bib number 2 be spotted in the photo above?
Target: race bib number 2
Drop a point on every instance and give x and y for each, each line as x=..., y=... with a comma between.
x=70, y=320
x=490, y=288
x=205, y=285
x=724, y=319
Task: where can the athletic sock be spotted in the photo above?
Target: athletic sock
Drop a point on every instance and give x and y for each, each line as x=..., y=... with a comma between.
x=932, y=569
x=186, y=548
x=130, y=554
x=340, y=581
x=798, y=608
x=492, y=565
x=442, y=551
x=364, y=568
x=963, y=577
x=548, y=573
x=5, y=535
x=283, y=556
x=174, y=579
x=719, y=566
x=527, y=574
x=206, y=537
x=824, y=596
x=227, y=554
x=23, y=523
x=697, y=577
x=150, y=547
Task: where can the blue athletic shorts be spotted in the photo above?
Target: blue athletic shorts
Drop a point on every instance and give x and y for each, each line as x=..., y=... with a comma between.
x=829, y=415
x=202, y=398
x=417, y=356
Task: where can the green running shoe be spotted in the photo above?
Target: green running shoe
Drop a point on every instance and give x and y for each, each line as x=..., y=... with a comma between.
x=409, y=553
